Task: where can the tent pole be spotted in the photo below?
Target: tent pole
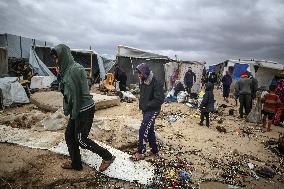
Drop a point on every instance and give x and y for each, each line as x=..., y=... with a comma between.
x=91, y=72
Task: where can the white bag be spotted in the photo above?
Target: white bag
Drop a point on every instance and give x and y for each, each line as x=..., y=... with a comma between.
x=181, y=97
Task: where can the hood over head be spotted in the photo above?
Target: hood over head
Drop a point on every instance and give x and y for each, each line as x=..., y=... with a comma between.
x=65, y=58
x=143, y=69
x=209, y=86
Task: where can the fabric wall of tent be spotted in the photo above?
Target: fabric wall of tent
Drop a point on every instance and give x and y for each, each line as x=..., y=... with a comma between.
x=176, y=71
x=197, y=68
x=94, y=64
x=18, y=46
x=129, y=58
x=3, y=61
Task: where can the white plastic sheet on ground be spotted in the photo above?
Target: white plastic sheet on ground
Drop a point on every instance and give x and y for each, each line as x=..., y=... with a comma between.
x=122, y=168
x=13, y=91
x=41, y=82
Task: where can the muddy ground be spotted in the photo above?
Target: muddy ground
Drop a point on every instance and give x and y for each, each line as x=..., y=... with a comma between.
x=215, y=157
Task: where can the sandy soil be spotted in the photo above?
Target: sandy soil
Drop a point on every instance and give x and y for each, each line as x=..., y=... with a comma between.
x=211, y=153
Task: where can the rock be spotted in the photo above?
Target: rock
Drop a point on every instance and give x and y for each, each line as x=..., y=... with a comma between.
x=235, y=152
x=231, y=112
x=220, y=121
x=221, y=129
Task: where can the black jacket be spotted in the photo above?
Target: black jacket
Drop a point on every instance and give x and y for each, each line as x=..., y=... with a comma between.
x=212, y=78
x=189, y=78
x=151, y=96
x=207, y=104
x=179, y=87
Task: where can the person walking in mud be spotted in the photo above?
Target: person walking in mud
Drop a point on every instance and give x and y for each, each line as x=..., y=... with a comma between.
x=150, y=102
x=80, y=106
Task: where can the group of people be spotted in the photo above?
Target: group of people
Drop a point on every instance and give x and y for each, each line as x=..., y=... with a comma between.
x=79, y=105
x=246, y=91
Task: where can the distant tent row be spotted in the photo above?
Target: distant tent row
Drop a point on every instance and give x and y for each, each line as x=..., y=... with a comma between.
x=263, y=70
x=37, y=54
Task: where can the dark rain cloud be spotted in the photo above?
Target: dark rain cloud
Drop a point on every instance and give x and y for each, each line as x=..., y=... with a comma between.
x=204, y=30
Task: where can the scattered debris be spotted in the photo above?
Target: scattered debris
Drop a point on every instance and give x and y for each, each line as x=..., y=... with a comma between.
x=221, y=129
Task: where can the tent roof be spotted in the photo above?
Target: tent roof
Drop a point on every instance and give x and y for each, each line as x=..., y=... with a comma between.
x=192, y=62
x=260, y=63
x=84, y=51
x=137, y=53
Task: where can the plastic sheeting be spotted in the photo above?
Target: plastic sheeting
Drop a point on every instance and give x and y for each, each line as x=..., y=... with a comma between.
x=197, y=68
x=122, y=168
x=13, y=91
x=171, y=71
x=137, y=53
x=264, y=76
x=18, y=46
x=41, y=82
x=238, y=70
x=101, y=67
x=38, y=66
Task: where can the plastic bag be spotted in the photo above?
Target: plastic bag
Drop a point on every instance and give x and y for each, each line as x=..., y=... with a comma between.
x=255, y=114
x=181, y=97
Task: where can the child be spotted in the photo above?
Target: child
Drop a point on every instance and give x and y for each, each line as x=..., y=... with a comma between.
x=207, y=104
x=271, y=102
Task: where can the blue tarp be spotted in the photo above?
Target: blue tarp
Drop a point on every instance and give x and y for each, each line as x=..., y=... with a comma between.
x=212, y=68
x=238, y=70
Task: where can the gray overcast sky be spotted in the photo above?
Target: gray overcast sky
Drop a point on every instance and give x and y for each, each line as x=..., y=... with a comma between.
x=205, y=30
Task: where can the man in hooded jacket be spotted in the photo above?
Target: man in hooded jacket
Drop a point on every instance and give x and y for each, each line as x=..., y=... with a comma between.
x=207, y=104
x=150, y=102
x=80, y=106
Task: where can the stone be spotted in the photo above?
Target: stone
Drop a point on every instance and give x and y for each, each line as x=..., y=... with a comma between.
x=53, y=100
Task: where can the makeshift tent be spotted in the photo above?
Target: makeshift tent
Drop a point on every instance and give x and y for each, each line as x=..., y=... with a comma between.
x=12, y=91
x=3, y=61
x=95, y=64
x=128, y=58
x=18, y=46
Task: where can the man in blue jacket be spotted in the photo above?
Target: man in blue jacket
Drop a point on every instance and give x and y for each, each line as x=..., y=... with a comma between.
x=150, y=102
x=227, y=81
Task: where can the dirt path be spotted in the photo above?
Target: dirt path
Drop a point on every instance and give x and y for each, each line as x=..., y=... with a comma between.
x=213, y=155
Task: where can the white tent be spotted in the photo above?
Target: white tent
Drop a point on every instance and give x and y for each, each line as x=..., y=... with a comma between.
x=263, y=70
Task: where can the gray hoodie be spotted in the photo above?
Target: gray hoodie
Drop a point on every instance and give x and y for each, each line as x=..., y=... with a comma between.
x=243, y=86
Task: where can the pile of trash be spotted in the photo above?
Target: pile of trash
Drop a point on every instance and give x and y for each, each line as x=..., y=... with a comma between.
x=176, y=173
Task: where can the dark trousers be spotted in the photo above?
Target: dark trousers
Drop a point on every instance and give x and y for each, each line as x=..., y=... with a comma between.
x=226, y=91
x=76, y=134
x=147, y=132
x=122, y=85
x=245, y=103
x=188, y=89
x=206, y=115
